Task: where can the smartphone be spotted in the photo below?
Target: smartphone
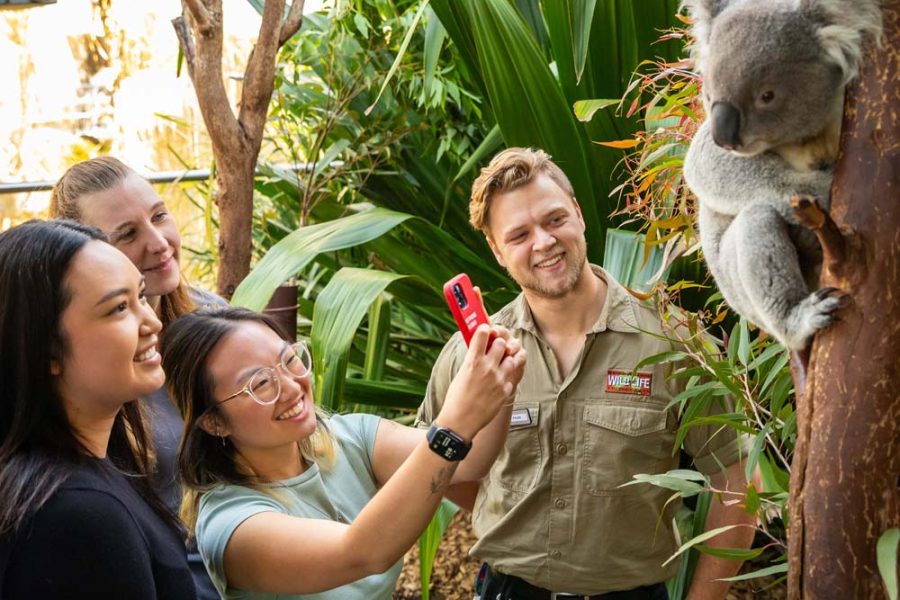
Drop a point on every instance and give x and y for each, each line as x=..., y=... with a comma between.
x=466, y=306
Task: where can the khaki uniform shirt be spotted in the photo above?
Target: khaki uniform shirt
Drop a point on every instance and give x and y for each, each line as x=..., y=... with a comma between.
x=552, y=511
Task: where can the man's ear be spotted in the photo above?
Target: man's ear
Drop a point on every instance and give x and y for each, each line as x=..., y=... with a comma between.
x=494, y=249
x=55, y=367
x=213, y=425
x=578, y=212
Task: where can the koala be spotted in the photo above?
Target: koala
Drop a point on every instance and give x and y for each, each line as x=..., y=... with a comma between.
x=774, y=74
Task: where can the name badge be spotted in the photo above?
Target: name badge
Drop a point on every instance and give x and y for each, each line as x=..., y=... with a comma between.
x=520, y=418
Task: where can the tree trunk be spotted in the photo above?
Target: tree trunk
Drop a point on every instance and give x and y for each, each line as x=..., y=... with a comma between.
x=844, y=481
x=235, y=201
x=236, y=139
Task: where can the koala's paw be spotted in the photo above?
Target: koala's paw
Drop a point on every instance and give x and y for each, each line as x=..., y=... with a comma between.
x=813, y=313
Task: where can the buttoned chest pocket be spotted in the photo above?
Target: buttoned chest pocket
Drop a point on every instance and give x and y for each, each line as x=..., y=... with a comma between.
x=620, y=442
x=517, y=467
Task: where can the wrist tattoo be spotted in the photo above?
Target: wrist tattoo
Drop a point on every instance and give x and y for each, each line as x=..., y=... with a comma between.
x=441, y=480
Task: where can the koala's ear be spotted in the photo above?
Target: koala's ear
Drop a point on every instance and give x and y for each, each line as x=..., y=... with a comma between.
x=702, y=13
x=842, y=28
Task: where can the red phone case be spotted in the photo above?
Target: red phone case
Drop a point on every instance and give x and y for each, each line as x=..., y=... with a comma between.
x=466, y=306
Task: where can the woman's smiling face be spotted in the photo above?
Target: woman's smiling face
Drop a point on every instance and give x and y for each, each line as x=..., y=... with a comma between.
x=139, y=224
x=109, y=333
x=253, y=428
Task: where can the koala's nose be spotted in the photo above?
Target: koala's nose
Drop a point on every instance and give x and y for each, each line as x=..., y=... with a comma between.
x=726, y=125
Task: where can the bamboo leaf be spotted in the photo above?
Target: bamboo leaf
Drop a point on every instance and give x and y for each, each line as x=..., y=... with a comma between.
x=434, y=41
x=673, y=480
x=400, y=54
x=662, y=357
x=699, y=539
x=682, y=581
x=730, y=553
x=753, y=457
x=774, y=570
x=488, y=146
x=582, y=15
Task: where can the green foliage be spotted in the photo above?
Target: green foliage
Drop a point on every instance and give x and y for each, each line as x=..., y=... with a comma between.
x=753, y=370
x=393, y=106
x=887, y=560
x=431, y=539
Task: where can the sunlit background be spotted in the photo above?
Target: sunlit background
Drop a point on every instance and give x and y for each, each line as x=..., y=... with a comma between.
x=82, y=78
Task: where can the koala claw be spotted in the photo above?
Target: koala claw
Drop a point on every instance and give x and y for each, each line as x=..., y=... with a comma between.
x=823, y=293
x=814, y=312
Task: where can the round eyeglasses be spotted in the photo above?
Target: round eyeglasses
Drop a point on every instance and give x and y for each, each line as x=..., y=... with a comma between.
x=264, y=386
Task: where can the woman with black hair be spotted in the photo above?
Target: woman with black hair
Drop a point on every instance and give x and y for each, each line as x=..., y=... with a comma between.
x=289, y=502
x=78, y=346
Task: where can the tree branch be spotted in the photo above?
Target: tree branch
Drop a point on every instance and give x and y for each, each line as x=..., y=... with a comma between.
x=205, y=71
x=200, y=14
x=834, y=245
x=292, y=22
x=186, y=42
x=260, y=72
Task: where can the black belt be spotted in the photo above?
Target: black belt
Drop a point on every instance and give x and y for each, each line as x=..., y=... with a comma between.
x=498, y=586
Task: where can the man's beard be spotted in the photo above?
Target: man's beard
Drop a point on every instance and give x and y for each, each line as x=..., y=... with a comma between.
x=575, y=260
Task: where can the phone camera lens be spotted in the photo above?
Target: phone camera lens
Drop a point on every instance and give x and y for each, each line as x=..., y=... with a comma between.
x=460, y=296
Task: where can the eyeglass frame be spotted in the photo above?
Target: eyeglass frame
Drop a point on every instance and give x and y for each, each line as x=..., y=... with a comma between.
x=246, y=389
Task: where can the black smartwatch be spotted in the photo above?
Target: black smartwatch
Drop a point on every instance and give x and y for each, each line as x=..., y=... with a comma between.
x=447, y=444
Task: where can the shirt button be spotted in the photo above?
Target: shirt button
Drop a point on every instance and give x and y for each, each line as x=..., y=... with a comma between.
x=555, y=554
x=560, y=503
x=562, y=448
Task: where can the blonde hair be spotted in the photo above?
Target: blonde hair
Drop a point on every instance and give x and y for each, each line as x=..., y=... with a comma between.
x=507, y=171
x=99, y=175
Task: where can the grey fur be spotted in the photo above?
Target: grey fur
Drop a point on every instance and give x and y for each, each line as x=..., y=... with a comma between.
x=774, y=73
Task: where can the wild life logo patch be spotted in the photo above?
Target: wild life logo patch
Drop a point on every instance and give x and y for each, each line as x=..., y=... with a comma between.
x=628, y=382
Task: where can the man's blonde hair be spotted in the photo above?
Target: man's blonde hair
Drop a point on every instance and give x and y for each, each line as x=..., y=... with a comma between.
x=507, y=171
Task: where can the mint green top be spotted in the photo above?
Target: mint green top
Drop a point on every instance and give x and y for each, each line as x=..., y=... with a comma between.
x=338, y=494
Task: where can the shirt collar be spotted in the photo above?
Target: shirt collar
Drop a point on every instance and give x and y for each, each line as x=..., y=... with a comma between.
x=618, y=313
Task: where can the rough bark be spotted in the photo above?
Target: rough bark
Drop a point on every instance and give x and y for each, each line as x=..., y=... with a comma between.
x=236, y=138
x=844, y=492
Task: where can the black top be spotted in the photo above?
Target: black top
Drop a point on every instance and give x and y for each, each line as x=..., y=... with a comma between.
x=165, y=427
x=97, y=538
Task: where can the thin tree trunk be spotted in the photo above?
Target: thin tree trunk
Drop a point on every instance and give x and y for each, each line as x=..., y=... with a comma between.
x=844, y=492
x=235, y=201
x=236, y=138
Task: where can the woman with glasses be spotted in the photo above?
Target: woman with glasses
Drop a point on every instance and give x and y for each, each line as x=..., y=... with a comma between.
x=107, y=194
x=290, y=503
x=78, y=346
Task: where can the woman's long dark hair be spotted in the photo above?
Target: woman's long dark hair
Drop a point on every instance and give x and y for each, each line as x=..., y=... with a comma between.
x=38, y=447
x=205, y=460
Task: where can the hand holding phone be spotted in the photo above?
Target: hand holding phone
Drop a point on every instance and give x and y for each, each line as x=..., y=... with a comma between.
x=466, y=307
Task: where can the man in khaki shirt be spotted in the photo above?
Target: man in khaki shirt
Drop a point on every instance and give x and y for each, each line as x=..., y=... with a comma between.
x=551, y=517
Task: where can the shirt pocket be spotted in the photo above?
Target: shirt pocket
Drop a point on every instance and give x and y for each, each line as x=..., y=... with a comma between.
x=517, y=467
x=620, y=441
